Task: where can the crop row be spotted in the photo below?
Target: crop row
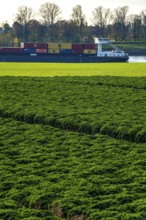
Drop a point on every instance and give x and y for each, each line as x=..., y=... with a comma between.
x=135, y=134
x=116, y=81
x=91, y=105
x=48, y=173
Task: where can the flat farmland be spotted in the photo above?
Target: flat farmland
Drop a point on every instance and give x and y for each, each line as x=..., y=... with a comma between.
x=73, y=146
x=67, y=69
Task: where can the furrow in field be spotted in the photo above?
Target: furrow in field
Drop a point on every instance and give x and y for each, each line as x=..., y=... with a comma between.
x=110, y=85
x=78, y=104
x=136, y=134
x=115, y=82
x=46, y=172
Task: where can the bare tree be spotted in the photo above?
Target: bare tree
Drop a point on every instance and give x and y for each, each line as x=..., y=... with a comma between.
x=78, y=18
x=23, y=16
x=143, y=18
x=50, y=13
x=136, y=27
x=101, y=18
x=120, y=22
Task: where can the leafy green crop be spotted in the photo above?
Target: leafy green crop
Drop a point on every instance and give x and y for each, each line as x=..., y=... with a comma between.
x=72, y=148
x=114, y=106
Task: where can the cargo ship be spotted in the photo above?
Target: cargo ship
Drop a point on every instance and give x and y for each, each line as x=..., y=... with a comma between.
x=64, y=52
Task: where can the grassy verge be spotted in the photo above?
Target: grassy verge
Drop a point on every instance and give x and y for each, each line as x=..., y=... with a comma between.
x=53, y=69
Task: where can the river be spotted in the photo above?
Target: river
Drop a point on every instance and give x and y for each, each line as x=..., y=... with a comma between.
x=137, y=59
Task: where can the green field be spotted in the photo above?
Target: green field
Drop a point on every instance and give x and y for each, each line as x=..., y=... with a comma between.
x=73, y=145
x=53, y=69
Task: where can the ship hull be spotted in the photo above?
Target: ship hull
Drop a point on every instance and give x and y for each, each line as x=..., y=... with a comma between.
x=61, y=58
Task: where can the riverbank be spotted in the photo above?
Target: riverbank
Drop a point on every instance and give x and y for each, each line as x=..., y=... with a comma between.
x=133, y=48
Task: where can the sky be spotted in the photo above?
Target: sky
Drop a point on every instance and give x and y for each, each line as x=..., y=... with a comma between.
x=9, y=8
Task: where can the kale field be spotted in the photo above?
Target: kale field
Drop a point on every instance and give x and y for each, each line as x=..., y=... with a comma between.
x=73, y=147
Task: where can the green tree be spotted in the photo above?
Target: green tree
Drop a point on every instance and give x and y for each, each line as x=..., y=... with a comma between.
x=5, y=35
x=35, y=30
x=17, y=30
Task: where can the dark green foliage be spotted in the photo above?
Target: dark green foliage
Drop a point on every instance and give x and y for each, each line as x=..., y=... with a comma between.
x=70, y=148
x=114, y=106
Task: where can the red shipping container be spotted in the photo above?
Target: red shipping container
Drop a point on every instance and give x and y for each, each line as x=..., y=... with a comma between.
x=89, y=46
x=41, y=51
x=77, y=46
x=34, y=45
x=27, y=45
x=11, y=50
x=41, y=45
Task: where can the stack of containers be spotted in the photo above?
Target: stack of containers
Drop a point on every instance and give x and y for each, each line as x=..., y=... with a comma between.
x=77, y=48
x=89, y=48
x=53, y=48
x=34, y=48
x=59, y=48
x=65, y=48
x=41, y=48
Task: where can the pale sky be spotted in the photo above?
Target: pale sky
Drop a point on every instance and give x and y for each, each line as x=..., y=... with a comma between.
x=8, y=8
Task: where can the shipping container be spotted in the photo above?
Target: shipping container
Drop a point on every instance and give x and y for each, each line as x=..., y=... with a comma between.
x=53, y=45
x=29, y=50
x=11, y=50
x=86, y=51
x=41, y=51
x=77, y=51
x=53, y=51
x=89, y=46
x=65, y=46
x=65, y=51
x=34, y=45
x=77, y=46
x=41, y=45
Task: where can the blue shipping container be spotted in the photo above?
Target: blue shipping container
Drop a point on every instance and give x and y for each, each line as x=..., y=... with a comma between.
x=66, y=51
x=30, y=51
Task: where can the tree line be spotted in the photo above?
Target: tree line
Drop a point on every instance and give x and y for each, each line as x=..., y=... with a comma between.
x=114, y=24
